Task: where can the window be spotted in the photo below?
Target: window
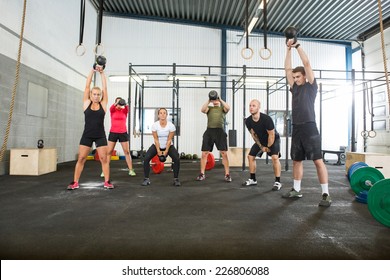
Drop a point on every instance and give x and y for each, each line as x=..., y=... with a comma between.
x=282, y=122
x=150, y=116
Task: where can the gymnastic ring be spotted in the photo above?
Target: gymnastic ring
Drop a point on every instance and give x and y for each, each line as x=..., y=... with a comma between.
x=82, y=52
x=265, y=57
x=243, y=53
x=95, y=50
x=373, y=134
x=364, y=134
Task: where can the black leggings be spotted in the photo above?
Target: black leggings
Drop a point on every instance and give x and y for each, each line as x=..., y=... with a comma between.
x=172, y=152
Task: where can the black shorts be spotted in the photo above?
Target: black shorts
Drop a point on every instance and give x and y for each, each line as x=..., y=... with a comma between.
x=215, y=136
x=121, y=137
x=275, y=149
x=306, y=142
x=88, y=141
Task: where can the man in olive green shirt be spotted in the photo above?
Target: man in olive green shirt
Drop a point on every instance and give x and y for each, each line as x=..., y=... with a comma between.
x=216, y=110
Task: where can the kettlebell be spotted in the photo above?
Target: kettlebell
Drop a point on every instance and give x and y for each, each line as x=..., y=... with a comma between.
x=101, y=61
x=122, y=102
x=291, y=33
x=162, y=158
x=40, y=144
x=213, y=95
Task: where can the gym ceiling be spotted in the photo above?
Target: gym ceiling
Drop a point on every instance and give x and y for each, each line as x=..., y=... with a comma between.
x=332, y=20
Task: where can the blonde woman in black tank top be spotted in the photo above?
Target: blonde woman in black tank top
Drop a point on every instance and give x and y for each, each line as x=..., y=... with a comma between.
x=94, y=106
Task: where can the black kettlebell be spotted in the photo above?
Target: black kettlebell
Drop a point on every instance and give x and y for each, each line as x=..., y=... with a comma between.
x=291, y=33
x=213, y=95
x=101, y=61
x=40, y=144
x=162, y=158
x=122, y=102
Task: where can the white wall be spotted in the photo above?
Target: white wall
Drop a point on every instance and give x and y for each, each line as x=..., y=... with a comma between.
x=52, y=26
x=374, y=62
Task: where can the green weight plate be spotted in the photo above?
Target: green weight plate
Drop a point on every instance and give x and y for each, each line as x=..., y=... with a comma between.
x=354, y=167
x=379, y=201
x=364, y=177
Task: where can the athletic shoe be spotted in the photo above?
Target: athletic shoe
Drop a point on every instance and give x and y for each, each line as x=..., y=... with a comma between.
x=176, y=182
x=292, y=194
x=108, y=185
x=228, y=178
x=201, y=177
x=132, y=173
x=73, y=185
x=277, y=186
x=249, y=182
x=146, y=182
x=102, y=175
x=325, y=201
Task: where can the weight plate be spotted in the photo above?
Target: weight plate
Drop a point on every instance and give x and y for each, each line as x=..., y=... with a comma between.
x=364, y=178
x=379, y=201
x=355, y=166
x=362, y=197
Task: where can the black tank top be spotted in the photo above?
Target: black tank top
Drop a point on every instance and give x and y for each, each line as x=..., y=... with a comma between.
x=94, y=122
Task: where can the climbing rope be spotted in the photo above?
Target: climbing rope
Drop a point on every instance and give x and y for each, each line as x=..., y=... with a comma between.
x=16, y=82
x=383, y=50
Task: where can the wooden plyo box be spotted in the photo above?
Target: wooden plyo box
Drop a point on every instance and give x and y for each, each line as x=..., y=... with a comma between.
x=33, y=161
x=376, y=160
x=235, y=156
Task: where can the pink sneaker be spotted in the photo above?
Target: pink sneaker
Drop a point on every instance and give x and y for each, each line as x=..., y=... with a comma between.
x=73, y=185
x=108, y=185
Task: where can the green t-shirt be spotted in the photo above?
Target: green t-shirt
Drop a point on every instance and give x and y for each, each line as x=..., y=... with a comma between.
x=216, y=117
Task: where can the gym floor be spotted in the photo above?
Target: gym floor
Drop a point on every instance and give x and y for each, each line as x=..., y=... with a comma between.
x=211, y=219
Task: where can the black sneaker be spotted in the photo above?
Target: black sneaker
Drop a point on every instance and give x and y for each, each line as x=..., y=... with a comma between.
x=176, y=182
x=146, y=182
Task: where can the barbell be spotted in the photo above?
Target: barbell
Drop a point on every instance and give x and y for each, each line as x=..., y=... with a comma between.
x=371, y=187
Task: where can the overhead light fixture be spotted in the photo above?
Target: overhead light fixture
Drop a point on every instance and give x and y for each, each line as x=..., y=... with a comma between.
x=255, y=17
x=258, y=81
x=261, y=6
x=251, y=25
x=188, y=78
x=125, y=78
x=333, y=82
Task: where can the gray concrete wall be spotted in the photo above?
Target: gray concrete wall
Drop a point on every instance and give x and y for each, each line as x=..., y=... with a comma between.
x=63, y=126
